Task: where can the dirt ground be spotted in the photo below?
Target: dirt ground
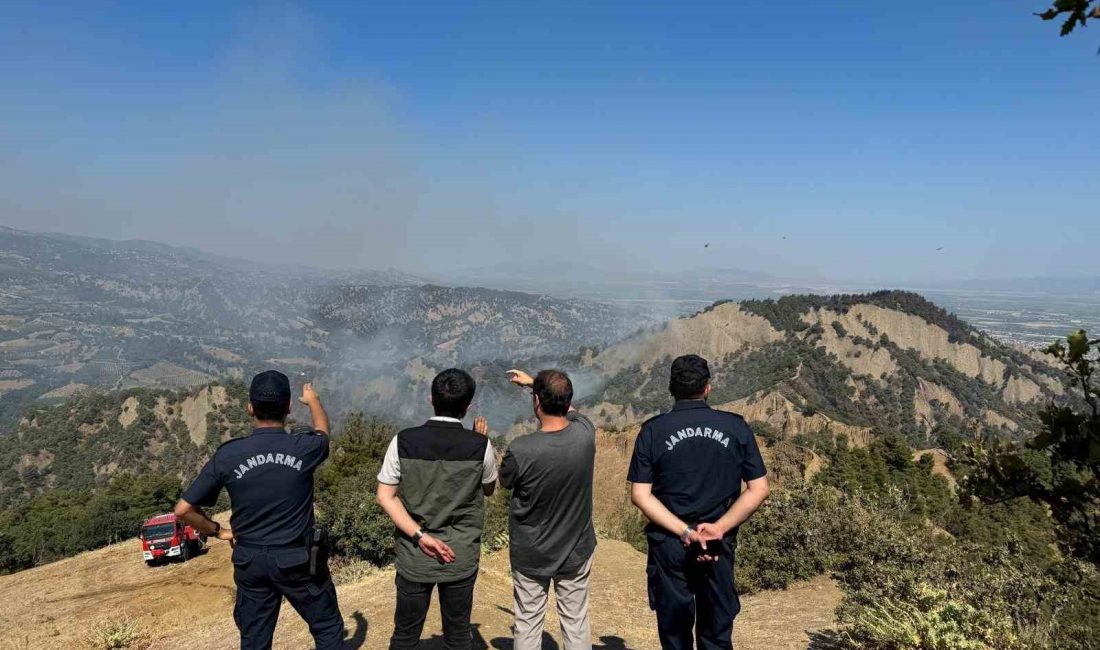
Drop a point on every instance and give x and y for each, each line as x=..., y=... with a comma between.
x=190, y=605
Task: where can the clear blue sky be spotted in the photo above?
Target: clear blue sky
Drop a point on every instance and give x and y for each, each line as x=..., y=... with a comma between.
x=840, y=139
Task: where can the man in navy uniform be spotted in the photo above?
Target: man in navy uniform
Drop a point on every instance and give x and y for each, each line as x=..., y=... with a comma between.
x=686, y=475
x=269, y=477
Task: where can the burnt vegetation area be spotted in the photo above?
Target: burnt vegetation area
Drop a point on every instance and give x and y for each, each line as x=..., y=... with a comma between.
x=469, y=324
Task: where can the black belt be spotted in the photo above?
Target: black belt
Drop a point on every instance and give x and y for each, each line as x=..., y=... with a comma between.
x=312, y=541
x=269, y=547
x=301, y=542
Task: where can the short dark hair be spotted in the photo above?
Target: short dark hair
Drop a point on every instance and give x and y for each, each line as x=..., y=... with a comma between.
x=689, y=377
x=554, y=390
x=270, y=396
x=270, y=411
x=452, y=391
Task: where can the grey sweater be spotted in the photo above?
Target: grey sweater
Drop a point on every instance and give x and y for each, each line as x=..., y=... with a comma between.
x=550, y=514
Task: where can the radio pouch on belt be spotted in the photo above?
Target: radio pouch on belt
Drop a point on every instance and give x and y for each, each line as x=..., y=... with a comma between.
x=316, y=548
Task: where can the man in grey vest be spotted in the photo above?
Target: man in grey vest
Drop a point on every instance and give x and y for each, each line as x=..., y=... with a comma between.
x=433, y=484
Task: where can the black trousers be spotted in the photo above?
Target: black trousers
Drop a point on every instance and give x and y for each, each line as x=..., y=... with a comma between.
x=264, y=576
x=456, y=600
x=695, y=601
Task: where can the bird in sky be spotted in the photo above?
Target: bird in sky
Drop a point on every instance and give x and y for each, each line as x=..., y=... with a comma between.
x=706, y=245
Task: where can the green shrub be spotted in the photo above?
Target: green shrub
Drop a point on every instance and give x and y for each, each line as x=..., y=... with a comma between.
x=495, y=533
x=346, y=507
x=792, y=537
x=932, y=620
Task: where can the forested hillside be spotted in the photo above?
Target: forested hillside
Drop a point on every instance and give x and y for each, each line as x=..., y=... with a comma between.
x=887, y=362
x=88, y=472
x=972, y=547
x=81, y=444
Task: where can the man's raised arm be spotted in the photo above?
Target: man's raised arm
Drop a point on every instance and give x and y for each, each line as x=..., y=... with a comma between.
x=520, y=378
x=316, y=410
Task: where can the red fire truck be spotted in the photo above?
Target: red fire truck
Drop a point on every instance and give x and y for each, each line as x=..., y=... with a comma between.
x=166, y=537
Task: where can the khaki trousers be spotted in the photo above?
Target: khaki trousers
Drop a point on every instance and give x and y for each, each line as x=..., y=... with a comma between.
x=530, y=606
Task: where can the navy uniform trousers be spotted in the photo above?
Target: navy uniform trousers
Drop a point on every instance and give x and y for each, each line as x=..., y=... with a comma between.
x=695, y=601
x=264, y=576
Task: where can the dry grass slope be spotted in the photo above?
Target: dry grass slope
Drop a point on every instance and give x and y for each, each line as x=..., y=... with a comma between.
x=58, y=605
x=55, y=606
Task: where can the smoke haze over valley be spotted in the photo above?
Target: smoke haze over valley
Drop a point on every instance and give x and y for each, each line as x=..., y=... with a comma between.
x=85, y=313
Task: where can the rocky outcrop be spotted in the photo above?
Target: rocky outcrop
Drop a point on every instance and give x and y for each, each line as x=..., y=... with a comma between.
x=129, y=413
x=1020, y=390
x=930, y=342
x=193, y=411
x=712, y=334
x=995, y=419
x=780, y=413
x=940, y=461
x=931, y=399
x=615, y=416
x=860, y=359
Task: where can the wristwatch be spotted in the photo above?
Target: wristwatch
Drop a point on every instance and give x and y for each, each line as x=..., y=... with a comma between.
x=687, y=531
x=416, y=538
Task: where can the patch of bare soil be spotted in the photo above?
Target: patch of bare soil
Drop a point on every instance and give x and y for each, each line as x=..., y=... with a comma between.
x=940, y=462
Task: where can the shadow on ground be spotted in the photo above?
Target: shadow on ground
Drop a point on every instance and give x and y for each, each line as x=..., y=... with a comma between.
x=505, y=643
x=548, y=643
x=436, y=640
x=825, y=640
x=358, y=636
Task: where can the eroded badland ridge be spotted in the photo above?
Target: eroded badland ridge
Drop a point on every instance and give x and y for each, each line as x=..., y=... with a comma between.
x=850, y=365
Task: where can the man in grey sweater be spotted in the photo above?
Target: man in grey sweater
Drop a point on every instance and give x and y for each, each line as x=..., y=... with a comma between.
x=549, y=472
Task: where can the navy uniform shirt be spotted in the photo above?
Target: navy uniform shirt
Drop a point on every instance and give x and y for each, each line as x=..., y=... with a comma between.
x=269, y=477
x=695, y=457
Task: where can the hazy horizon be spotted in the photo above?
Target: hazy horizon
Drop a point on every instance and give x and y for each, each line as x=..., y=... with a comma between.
x=876, y=148
x=467, y=275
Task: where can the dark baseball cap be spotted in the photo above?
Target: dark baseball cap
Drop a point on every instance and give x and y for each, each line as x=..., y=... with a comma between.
x=270, y=386
x=689, y=376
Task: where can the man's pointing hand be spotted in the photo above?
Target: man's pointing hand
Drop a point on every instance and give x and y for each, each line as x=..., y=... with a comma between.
x=520, y=378
x=309, y=396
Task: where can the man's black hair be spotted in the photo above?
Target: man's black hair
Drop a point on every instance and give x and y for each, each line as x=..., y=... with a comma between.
x=689, y=377
x=452, y=392
x=270, y=396
x=554, y=390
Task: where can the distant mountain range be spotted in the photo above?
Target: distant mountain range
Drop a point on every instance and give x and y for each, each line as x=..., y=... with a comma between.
x=78, y=312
